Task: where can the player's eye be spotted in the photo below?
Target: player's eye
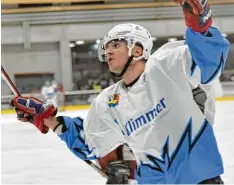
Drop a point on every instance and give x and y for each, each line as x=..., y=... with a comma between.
x=116, y=45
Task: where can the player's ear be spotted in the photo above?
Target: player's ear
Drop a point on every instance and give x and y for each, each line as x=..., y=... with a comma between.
x=137, y=51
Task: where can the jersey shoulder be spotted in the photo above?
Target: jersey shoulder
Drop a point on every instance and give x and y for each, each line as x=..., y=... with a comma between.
x=169, y=49
x=171, y=56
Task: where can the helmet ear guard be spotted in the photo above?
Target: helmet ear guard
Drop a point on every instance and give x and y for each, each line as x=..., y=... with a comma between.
x=131, y=42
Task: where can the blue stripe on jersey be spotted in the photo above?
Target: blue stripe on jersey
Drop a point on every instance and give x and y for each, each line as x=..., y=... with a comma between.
x=74, y=138
x=193, y=160
x=209, y=53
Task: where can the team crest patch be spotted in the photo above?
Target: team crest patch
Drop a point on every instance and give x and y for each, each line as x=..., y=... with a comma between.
x=113, y=100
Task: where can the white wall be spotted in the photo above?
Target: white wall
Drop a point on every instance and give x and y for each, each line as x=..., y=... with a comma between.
x=39, y=58
x=53, y=33
x=53, y=54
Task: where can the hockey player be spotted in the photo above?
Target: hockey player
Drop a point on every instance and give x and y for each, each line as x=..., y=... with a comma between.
x=49, y=93
x=44, y=90
x=61, y=96
x=160, y=108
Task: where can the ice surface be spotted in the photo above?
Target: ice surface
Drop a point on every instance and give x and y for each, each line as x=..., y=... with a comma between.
x=29, y=157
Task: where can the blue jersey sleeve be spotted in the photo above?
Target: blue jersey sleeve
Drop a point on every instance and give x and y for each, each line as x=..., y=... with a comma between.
x=209, y=53
x=74, y=138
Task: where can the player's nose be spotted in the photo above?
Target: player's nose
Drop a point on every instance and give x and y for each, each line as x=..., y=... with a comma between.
x=109, y=52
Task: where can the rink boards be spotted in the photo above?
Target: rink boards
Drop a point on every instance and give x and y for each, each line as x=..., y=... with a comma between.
x=85, y=107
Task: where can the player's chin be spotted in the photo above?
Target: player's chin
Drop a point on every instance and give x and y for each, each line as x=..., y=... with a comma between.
x=114, y=71
x=111, y=68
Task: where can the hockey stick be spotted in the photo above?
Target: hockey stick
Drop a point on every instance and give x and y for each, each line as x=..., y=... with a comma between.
x=9, y=82
x=15, y=91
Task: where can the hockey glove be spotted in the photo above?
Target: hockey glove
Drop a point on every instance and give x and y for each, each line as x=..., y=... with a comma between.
x=197, y=13
x=118, y=172
x=32, y=110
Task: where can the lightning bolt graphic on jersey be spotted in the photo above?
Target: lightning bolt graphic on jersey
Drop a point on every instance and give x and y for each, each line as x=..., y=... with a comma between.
x=185, y=144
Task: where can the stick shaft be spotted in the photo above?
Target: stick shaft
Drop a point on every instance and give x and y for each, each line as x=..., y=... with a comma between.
x=9, y=82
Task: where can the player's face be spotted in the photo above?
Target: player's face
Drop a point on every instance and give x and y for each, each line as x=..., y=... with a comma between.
x=117, y=55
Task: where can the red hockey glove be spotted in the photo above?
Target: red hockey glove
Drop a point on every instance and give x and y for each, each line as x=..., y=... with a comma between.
x=32, y=110
x=197, y=13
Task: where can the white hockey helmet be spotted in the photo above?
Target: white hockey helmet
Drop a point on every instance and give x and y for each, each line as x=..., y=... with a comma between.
x=132, y=34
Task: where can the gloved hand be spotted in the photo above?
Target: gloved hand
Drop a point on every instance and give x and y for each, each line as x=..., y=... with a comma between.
x=197, y=13
x=118, y=172
x=32, y=110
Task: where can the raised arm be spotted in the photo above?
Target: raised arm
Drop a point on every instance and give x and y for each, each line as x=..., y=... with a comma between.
x=209, y=49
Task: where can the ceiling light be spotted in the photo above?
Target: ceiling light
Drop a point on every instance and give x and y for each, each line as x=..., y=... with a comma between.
x=71, y=45
x=80, y=42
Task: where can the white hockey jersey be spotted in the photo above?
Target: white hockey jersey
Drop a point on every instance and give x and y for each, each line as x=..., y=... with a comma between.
x=158, y=117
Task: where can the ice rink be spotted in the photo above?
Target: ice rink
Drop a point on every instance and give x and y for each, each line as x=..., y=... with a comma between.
x=29, y=157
